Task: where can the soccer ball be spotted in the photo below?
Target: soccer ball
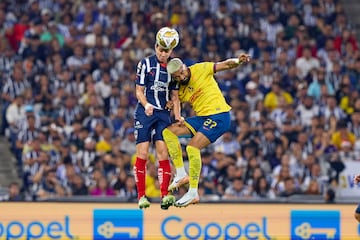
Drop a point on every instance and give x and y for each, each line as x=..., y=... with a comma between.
x=167, y=38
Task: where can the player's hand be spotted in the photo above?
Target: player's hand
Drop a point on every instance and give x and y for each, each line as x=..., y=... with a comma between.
x=180, y=121
x=149, y=109
x=356, y=179
x=244, y=58
x=169, y=105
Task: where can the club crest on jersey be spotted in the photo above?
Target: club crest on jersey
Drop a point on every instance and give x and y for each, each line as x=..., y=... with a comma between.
x=138, y=125
x=159, y=86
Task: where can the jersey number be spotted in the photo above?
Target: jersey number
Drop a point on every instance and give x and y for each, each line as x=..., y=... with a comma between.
x=210, y=123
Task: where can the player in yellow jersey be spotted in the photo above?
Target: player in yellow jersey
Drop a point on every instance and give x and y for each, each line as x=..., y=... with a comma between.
x=198, y=87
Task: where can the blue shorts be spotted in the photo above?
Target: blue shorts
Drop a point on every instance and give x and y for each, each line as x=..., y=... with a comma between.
x=149, y=128
x=212, y=126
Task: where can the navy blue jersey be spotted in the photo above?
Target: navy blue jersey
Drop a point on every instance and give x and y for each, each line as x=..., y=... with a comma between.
x=153, y=76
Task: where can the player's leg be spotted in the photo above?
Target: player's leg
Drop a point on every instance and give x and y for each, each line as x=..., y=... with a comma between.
x=198, y=142
x=357, y=213
x=164, y=169
x=211, y=129
x=140, y=173
x=164, y=174
x=143, y=126
x=170, y=136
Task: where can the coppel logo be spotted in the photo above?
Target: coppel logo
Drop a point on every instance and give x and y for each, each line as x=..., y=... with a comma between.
x=319, y=224
x=115, y=224
x=174, y=227
x=36, y=230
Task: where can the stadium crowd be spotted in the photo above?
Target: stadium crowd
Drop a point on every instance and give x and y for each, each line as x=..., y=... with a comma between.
x=67, y=78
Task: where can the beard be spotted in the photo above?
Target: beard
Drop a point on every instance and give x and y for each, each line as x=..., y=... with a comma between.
x=185, y=81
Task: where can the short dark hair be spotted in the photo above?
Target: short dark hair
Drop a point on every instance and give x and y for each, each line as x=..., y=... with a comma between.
x=342, y=124
x=12, y=184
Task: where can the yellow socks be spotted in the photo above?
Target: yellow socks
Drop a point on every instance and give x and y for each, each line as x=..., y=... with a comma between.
x=194, y=166
x=174, y=148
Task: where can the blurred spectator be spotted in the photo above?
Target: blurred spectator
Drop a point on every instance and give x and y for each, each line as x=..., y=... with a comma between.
x=209, y=173
x=49, y=186
x=97, y=116
x=319, y=81
x=237, y=190
x=262, y=189
x=270, y=143
x=306, y=63
x=276, y=96
x=253, y=95
x=289, y=188
x=152, y=186
x=227, y=144
x=332, y=109
x=329, y=196
x=345, y=37
x=307, y=110
x=105, y=143
x=14, y=114
x=87, y=156
x=69, y=113
x=78, y=187
x=14, y=193
x=343, y=138
x=354, y=124
x=127, y=145
x=102, y=188
x=129, y=191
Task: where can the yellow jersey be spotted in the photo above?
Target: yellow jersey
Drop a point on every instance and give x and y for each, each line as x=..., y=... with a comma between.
x=203, y=92
x=272, y=101
x=337, y=139
x=103, y=147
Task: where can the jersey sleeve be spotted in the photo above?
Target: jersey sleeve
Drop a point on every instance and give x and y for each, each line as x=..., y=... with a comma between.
x=141, y=71
x=208, y=68
x=174, y=86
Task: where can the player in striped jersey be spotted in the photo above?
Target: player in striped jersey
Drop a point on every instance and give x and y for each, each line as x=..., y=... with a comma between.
x=154, y=90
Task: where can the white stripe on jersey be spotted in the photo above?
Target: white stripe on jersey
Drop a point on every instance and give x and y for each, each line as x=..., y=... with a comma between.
x=142, y=74
x=156, y=92
x=147, y=64
x=147, y=61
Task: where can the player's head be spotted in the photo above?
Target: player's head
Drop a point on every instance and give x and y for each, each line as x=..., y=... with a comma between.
x=178, y=70
x=166, y=40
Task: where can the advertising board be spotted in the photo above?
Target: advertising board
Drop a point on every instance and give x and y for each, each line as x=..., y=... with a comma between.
x=347, y=187
x=100, y=221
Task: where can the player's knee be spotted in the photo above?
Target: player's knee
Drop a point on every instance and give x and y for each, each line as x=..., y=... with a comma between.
x=190, y=148
x=357, y=216
x=169, y=134
x=142, y=153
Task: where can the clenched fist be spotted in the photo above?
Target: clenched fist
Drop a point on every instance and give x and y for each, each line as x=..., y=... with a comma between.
x=244, y=58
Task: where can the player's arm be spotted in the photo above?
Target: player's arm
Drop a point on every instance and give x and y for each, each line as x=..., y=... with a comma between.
x=232, y=62
x=176, y=104
x=357, y=179
x=139, y=91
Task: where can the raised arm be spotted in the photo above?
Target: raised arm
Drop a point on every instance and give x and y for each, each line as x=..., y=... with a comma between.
x=176, y=104
x=232, y=62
